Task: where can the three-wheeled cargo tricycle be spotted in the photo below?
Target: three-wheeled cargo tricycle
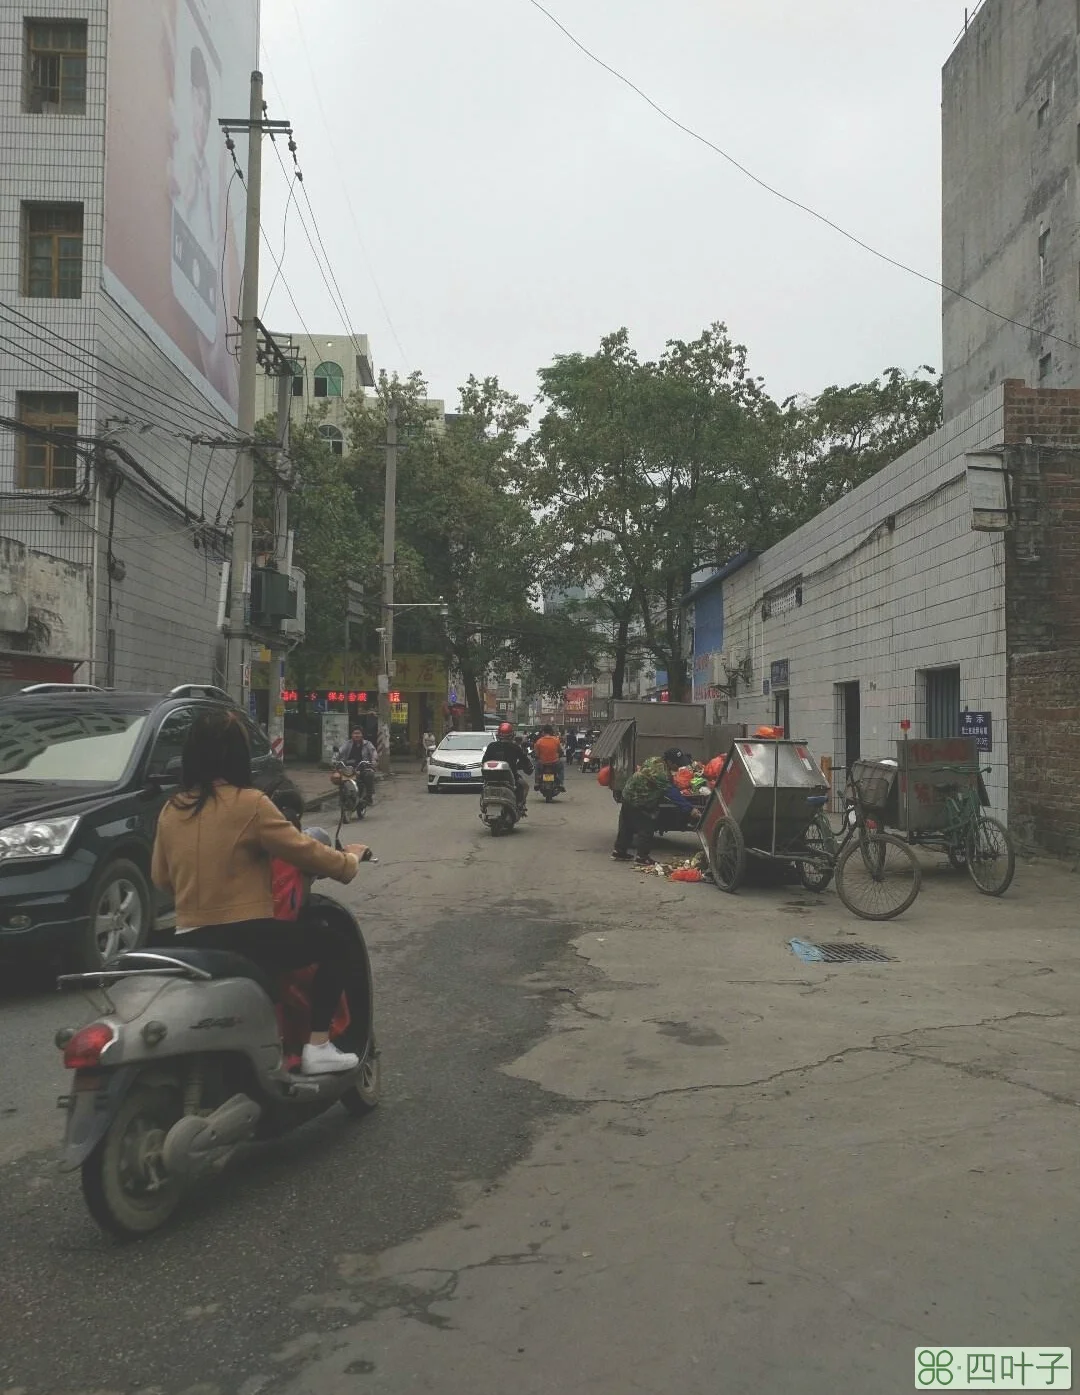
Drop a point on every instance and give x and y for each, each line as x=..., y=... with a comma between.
x=769, y=805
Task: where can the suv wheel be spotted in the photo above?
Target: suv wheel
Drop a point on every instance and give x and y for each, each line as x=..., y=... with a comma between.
x=120, y=914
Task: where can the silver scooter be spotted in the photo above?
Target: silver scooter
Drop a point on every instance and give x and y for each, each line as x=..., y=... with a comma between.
x=499, y=806
x=186, y=1061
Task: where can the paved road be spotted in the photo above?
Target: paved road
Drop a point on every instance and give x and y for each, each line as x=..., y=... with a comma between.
x=630, y=1142
x=465, y=933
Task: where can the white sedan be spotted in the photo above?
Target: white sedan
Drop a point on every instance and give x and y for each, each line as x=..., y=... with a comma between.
x=455, y=761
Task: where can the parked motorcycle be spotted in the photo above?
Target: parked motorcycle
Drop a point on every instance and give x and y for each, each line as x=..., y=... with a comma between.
x=589, y=766
x=194, y=1052
x=354, y=788
x=499, y=807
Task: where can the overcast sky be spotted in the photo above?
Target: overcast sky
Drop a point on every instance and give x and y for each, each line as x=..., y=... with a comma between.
x=514, y=201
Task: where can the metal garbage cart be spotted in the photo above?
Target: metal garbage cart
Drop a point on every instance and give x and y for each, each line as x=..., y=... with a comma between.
x=933, y=795
x=769, y=804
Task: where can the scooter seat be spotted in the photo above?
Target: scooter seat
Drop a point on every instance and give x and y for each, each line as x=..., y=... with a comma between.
x=218, y=963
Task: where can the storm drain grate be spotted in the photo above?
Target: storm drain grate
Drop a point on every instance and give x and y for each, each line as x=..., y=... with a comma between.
x=839, y=953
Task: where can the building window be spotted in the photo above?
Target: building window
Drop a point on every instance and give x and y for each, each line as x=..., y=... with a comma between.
x=55, y=67
x=1042, y=116
x=1046, y=363
x=329, y=380
x=1044, y=248
x=43, y=462
x=298, y=378
x=334, y=439
x=52, y=250
x=942, y=702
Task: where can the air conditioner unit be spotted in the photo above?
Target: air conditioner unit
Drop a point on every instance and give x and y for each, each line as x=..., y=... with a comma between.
x=718, y=677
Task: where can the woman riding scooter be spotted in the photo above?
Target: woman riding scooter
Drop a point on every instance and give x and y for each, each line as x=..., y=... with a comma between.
x=214, y=842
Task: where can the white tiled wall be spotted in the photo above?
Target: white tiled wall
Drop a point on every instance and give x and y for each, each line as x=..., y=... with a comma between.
x=164, y=610
x=880, y=605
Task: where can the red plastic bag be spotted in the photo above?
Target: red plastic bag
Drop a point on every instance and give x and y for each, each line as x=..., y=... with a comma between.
x=603, y=776
x=684, y=777
x=686, y=874
x=714, y=767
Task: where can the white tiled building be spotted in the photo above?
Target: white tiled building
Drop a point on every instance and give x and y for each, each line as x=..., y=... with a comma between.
x=115, y=330
x=886, y=607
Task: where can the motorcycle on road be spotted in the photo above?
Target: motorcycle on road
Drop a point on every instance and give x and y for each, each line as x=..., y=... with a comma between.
x=499, y=806
x=354, y=784
x=547, y=781
x=195, y=1052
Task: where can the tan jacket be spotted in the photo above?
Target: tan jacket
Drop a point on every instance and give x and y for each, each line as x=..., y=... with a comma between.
x=216, y=863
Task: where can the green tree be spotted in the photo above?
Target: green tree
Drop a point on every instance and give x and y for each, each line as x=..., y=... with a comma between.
x=648, y=470
x=829, y=444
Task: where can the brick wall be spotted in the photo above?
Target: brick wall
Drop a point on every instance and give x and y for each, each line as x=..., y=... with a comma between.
x=1042, y=569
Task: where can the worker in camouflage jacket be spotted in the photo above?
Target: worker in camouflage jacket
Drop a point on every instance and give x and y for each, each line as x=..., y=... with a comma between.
x=642, y=795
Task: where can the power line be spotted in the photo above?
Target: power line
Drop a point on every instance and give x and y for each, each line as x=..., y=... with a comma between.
x=96, y=362
x=327, y=274
x=280, y=261
x=787, y=198
x=332, y=141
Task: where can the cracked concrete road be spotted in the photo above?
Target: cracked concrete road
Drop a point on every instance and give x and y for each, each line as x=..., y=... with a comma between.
x=630, y=1142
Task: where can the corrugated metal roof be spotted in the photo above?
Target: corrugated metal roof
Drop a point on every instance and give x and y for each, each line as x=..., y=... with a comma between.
x=611, y=738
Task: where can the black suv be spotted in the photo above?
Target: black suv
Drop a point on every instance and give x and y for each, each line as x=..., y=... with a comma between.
x=83, y=775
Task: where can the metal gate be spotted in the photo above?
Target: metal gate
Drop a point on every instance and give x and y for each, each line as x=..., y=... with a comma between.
x=943, y=702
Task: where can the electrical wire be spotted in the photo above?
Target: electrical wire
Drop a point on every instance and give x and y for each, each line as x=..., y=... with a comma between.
x=96, y=362
x=284, y=243
x=327, y=271
x=788, y=198
x=332, y=142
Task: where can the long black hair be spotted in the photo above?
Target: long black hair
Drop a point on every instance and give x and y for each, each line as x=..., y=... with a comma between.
x=216, y=749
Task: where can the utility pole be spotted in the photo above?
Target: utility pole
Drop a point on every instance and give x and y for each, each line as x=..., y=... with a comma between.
x=239, y=631
x=275, y=726
x=386, y=676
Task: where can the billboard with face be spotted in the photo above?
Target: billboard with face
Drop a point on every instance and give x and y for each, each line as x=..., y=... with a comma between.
x=174, y=214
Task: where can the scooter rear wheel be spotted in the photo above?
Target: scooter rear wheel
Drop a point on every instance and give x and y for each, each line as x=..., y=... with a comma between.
x=124, y=1182
x=361, y=1098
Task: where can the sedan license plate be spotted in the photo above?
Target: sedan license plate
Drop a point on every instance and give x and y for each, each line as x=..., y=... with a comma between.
x=462, y=775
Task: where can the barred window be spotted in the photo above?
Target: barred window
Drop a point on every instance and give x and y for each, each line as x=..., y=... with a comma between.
x=55, y=67
x=781, y=599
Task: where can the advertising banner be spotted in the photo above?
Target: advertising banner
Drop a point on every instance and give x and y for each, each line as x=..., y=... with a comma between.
x=174, y=210
x=577, y=702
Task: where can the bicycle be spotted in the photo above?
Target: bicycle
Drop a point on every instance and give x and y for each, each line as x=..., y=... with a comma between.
x=974, y=839
x=881, y=883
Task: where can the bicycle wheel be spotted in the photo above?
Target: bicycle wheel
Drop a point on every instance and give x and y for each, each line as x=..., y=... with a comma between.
x=728, y=855
x=820, y=840
x=878, y=877
x=991, y=856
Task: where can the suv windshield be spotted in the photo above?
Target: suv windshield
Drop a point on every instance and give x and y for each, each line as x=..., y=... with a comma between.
x=58, y=745
x=466, y=741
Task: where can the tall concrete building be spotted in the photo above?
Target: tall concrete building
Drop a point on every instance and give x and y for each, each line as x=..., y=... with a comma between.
x=1011, y=200
x=329, y=368
x=121, y=227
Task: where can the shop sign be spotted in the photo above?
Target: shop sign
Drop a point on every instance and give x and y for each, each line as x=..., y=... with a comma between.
x=577, y=702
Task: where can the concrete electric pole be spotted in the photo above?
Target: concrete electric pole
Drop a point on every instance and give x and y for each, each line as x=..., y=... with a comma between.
x=386, y=676
x=238, y=666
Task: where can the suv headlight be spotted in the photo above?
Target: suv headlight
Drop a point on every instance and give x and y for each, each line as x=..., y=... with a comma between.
x=26, y=842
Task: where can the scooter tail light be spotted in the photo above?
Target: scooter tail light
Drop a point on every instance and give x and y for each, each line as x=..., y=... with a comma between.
x=88, y=1045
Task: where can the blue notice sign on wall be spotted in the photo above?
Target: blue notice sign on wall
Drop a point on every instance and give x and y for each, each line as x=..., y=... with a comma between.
x=980, y=727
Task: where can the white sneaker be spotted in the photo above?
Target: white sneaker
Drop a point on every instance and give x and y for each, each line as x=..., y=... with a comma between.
x=326, y=1060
